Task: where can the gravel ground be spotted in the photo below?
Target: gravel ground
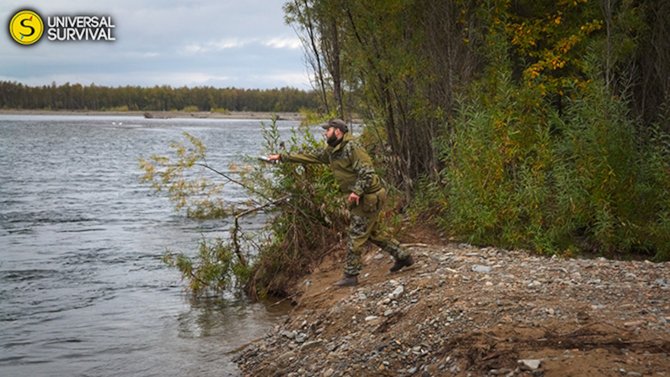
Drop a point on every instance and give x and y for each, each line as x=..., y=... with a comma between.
x=467, y=311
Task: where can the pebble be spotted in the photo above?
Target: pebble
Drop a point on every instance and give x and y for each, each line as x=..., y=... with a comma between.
x=397, y=292
x=383, y=302
x=311, y=344
x=288, y=334
x=301, y=337
x=531, y=364
x=481, y=269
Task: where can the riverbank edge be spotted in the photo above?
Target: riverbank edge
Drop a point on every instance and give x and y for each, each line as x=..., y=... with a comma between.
x=464, y=310
x=260, y=115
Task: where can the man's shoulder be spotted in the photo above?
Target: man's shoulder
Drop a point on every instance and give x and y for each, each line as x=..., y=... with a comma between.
x=355, y=145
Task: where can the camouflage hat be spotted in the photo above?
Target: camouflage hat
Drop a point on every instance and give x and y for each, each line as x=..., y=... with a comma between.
x=337, y=123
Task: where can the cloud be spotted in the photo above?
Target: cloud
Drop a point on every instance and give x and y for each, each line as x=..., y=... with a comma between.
x=165, y=42
x=213, y=46
x=289, y=43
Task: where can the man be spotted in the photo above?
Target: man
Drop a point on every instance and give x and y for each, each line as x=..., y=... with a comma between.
x=353, y=171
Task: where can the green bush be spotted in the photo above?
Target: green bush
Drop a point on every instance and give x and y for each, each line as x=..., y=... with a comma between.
x=519, y=174
x=306, y=224
x=303, y=201
x=190, y=109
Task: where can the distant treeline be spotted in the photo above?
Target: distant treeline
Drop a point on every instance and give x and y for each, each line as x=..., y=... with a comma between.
x=159, y=98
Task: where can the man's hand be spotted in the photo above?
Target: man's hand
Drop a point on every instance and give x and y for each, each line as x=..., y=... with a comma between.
x=354, y=198
x=274, y=157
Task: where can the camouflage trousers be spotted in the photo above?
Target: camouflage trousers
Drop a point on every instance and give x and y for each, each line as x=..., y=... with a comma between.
x=364, y=225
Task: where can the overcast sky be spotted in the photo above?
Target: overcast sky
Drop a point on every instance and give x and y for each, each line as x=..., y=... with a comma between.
x=220, y=43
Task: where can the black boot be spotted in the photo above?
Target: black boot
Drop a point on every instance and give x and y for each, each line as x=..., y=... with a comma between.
x=347, y=281
x=401, y=263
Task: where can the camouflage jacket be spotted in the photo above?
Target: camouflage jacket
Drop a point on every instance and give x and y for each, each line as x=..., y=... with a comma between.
x=350, y=163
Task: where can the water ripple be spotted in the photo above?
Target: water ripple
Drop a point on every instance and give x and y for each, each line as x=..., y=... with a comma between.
x=82, y=288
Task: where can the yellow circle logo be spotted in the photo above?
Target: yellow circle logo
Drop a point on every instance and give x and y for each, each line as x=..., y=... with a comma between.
x=26, y=27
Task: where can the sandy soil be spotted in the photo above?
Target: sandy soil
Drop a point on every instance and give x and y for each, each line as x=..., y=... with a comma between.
x=468, y=311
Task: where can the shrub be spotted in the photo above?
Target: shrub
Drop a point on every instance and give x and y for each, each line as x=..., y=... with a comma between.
x=305, y=215
x=519, y=174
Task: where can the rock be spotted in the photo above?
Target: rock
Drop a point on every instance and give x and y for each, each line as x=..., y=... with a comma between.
x=311, y=344
x=288, y=334
x=328, y=372
x=481, y=269
x=301, y=337
x=371, y=318
x=286, y=357
x=385, y=301
x=500, y=372
x=397, y=292
x=530, y=364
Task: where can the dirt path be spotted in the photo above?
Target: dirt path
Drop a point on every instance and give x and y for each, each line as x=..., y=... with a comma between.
x=467, y=311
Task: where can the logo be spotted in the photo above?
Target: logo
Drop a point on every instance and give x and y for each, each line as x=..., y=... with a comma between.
x=26, y=27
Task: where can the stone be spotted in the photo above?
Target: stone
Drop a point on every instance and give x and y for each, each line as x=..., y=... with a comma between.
x=634, y=323
x=530, y=364
x=286, y=357
x=301, y=337
x=385, y=301
x=288, y=334
x=397, y=292
x=371, y=318
x=481, y=269
x=311, y=344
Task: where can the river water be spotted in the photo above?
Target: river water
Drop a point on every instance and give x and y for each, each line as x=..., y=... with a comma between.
x=82, y=289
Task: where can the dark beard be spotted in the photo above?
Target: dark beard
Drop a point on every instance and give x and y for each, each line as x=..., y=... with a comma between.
x=333, y=141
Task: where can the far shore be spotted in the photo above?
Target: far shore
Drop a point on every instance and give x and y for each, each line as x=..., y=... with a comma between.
x=165, y=114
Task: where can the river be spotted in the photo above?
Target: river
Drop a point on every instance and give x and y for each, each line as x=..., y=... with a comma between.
x=83, y=291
